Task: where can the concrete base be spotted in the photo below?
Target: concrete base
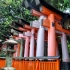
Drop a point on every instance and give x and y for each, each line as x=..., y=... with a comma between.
x=8, y=68
x=66, y=65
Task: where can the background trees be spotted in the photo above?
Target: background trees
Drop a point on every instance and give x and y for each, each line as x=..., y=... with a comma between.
x=11, y=10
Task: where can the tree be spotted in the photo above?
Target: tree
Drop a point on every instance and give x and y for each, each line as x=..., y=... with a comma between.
x=11, y=10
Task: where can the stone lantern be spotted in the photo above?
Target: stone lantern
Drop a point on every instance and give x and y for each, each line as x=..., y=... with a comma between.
x=9, y=53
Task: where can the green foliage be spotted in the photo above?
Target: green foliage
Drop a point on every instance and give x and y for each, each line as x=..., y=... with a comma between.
x=2, y=54
x=59, y=4
x=11, y=10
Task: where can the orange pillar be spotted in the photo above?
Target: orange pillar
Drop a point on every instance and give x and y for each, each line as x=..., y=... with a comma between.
x=17, y=49
x=52, y=46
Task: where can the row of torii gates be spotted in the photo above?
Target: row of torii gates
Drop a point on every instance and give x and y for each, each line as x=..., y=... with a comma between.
x=51, y=27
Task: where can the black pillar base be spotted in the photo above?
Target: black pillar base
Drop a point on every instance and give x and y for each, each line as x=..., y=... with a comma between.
x=66, y=65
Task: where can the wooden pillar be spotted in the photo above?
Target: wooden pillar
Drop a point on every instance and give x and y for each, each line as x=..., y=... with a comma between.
x=52, y=44
x=64, y=48
x=65, y=55
x=26, y=47
x=32, y=43
x=40, y=40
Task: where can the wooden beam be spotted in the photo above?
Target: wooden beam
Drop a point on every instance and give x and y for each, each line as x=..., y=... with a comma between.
x=46, y=23
x=36, y=13
x=47, y=12
x=23, y=29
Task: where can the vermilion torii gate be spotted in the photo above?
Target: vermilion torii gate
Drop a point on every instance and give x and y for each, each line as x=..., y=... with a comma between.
x=41, y=52
x=54, y=20
x=34, y=25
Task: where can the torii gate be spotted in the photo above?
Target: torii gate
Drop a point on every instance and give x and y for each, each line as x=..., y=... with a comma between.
x=36, y=26
x=54, y=20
